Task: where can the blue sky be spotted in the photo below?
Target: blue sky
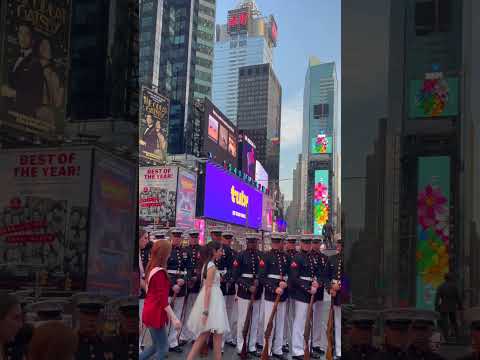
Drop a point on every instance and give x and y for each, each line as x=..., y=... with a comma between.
x=305, y=28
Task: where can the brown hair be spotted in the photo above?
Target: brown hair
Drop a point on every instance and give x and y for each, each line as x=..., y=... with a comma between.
x=160, y=253
x=52, y=340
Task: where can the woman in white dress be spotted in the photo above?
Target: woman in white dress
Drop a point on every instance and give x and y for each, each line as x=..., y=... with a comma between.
x=209, y=313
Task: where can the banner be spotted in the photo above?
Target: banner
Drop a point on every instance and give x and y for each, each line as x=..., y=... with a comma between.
x=35, y=65
x=113, y=223
x=321, y=206
x=433, y=213
x=186, y=196
x=321, y=144
x=435, y=97
x=153, y=129
x=44, y=215
x=158, y=195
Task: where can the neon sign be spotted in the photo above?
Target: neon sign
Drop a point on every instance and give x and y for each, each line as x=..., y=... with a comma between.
x=239, y=197
x=238, y=19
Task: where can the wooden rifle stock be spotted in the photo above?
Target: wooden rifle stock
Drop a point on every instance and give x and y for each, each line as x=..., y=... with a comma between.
x=182, y=315
x=308, y=329
x=269, y=329
x=246, y=327
x=330, y=329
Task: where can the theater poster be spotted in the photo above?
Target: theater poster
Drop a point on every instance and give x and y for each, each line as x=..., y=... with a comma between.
x=34, y=62
x=44, y=205
x=186, y=195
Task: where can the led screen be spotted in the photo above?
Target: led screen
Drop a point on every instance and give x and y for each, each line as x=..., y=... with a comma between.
x=321, y=207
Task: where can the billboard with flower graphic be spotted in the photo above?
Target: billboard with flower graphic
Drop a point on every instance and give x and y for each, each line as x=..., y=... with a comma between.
x=320, y=201
x=433, y=202
x=434, y=97
x=321, y=144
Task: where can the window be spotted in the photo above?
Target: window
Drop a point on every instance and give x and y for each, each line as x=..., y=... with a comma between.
x=320, y=110
x=432, y=16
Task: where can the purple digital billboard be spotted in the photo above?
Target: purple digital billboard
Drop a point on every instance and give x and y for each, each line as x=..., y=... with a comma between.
x=229, y=199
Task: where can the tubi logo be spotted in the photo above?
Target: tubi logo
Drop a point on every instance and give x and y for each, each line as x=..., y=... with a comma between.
x=239, y=198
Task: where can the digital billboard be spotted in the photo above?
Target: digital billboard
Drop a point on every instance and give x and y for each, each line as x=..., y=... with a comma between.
x=35, y=65
x=186, y=195
x=433, y=224
x=248, y=156
x=267, y=213
x=261, y=175
x=220, y=136
x=321, y=207
x=434, y=97
x=238, y=20
x=321, y=144
x=229, y=199
x=153, y=126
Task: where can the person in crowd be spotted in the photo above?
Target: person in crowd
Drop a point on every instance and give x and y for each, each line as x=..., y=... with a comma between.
x=447, y=302
x=421, y=332
x=396, y=333
x=209, y=313
x=290, y=251
x=473, y=316
x=336, y=290
x=145, y=247
x=52, y=340
x=124, y=343
x=10, y=321
x=327, y=233
x=361, y=335
x=157, y=310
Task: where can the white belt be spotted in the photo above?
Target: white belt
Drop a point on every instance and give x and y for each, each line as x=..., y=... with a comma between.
x=222, y=272
x=175, y=272
x=248, y=276
x=278, y=277
x=306, y=278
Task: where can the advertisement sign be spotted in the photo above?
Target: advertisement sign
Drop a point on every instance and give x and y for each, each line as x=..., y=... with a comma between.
x=261, y=175
x=321, y=207
x=186, y=195
x=44, y=215
x=248, y=157
x=434, y=97
x=112, y=218
x=267, y=213
x=153, y=125
x=220, y=136
x=157, y=195
x=322, y=144
x=238, y=20
x=273, y=30
x=229, y=199
x=35, y=65
x=433, y=213
x=200, y=226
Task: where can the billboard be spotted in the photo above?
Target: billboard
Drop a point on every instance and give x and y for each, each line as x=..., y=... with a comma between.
x=44, y=205
x=220, y=136
x=186, y=195
x=238, y=20
x=157, y=195
x=153, y=125
x=261, y=175
x=248, y=156
x=433, y=213
x=113, y=219
x=267, y=213
x=200, y=226
x=434, y=97
x=321, y=144
x=321, y=206
x=35, y=65
x=229, y=199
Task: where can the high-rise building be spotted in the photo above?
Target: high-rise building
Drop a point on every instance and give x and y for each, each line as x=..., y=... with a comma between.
x=259, y=115
x=248, y=38
x=320, y=149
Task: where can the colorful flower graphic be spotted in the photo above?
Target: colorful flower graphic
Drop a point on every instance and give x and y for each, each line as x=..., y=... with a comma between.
x=321, y=144
x=430, y=205
x=321, y=208
x=433, y=96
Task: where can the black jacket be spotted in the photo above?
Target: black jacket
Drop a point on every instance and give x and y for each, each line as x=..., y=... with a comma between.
x=303, y=271
x=274, y=264
x=179, y=266
x=196, y=279
x=323, y=266
x=335, y=272
x=225, y=266
x=246, y=273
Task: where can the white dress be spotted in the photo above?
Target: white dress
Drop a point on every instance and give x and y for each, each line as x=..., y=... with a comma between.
x=217, y=320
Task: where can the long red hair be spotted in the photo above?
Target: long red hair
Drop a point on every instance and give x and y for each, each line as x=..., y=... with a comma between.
x=160, y=253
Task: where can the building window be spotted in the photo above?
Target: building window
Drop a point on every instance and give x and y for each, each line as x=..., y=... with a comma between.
x=432, y=16
x=320, y=110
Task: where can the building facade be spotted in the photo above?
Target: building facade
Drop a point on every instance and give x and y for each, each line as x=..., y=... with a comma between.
x=246, y=39
x=259, y=115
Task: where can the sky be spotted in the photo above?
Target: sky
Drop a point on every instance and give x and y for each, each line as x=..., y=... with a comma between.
x=305, y=28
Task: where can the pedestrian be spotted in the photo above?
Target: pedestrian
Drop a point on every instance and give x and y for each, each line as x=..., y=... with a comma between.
x=473, y=316
x=157, y=310
x=52, y=340
x=145, y=248
x=421, y=332
x=447, y=302
x=327, y=233
x=209, y=313
x=10, y=321
x=361, y=335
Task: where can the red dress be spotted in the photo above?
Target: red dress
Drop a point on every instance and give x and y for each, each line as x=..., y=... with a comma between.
x=154, y=314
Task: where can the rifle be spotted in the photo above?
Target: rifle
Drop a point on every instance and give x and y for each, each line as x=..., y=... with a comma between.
x=308, y=329
x=330, y=330
x=182, y=314
x=246, y=326
x=269, y=329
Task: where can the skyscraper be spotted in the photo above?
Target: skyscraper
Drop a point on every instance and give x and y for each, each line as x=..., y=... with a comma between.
x=246, y=39
x=259, y=115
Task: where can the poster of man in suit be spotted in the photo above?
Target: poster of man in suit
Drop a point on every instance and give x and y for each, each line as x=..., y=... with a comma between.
x=153, y=129
x=34, y=65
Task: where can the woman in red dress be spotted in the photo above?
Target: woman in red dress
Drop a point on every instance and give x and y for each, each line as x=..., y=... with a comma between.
x=156, y=309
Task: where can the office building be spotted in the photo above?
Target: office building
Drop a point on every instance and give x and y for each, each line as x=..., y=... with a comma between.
x=259, y=115
x=248, y=38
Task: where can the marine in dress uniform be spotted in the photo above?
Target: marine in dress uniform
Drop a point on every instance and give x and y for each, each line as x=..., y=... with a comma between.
x=91, y=344
x=336, y=270
x=194, y=284
x=361, y=336
x=290, y=251
x=124, y=343
x=246, y=273
x=216, y=233
x=302, y=285
x=421, y=331
x=228, y=287
x=396, y=333
x=473, y=316
x=274, y=269
x=17, y=349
